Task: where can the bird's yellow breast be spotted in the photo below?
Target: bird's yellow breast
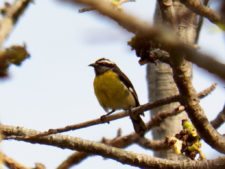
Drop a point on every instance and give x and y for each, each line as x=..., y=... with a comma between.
x=112, y=93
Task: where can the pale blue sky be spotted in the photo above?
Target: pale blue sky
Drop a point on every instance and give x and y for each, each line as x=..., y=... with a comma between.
x=53, y=88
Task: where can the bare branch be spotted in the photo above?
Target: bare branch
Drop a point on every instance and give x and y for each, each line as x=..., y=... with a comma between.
x=11, y=16
x=150, y=144
x=137, y=110
x=197, y=7
x=122, y=142
x=204, y=61
x=39, y=166
x=159, y=34
x=123, y=19
x=200, y=23
x=11, y=163
x=219, y=120
x=190, y=100
x=119, y=155
x=119, y=142
x=73, y=159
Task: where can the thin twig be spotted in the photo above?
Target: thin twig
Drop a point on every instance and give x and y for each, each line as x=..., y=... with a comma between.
x=155, y=145
x=82, y=10
x=197, y=7
x=127, y=140
x=11, y=163
x=122, y=141
x=160, y=116
x=139, y=110
x=73, y=159
x=200, y=23
x=117, y=4
x=219, y=120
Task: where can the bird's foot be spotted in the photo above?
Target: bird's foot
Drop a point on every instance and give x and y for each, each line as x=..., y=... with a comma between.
x=103, y=118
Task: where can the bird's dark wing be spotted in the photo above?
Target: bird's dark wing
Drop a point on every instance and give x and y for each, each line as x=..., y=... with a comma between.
x=127, y=83
x=138, y=123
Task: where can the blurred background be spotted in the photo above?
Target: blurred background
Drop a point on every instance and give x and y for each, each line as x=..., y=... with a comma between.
x=54, y=87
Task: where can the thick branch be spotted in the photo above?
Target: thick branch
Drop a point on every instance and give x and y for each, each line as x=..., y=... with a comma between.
x=191, y=102
x=119, y=142
x=119, y=155
x=166, y=37
x=123, y=141
x=184, y=84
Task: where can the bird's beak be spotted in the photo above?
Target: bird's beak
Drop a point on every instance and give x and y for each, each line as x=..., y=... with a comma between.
x=92, y=65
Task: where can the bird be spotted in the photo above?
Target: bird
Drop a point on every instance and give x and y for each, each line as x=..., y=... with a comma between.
x=114, y=91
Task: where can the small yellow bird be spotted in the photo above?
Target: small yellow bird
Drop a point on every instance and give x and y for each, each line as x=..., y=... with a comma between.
x=115, y=91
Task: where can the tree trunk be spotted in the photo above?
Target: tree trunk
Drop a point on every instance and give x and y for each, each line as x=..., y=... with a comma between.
x=176, y=16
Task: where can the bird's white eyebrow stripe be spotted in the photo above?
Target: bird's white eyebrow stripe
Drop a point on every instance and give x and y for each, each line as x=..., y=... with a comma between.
x=106, y=61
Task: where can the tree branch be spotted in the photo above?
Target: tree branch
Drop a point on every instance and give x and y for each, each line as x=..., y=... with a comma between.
x=191, y=102
x=11, y=16
x=116, y=116
x=219, y=120
x=73, y=159
x=153, y=144
x=173, y=44
x=159, y=34
x=200, y=23
x=13, y=164
x=197, y=7
x=122, y=142
x=119, y=155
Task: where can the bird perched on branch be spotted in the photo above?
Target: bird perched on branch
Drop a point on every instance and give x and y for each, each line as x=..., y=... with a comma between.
x=115, y=91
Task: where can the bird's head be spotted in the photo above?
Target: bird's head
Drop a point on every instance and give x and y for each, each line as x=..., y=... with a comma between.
x=102, y=65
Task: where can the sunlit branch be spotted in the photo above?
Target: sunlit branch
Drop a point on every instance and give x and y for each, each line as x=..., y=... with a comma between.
x=11, y=16
x=125, y=157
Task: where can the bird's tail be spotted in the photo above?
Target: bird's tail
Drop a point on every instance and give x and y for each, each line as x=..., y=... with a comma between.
x=139, y=125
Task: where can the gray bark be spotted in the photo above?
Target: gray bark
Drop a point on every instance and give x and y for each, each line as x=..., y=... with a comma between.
x=160, y=77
